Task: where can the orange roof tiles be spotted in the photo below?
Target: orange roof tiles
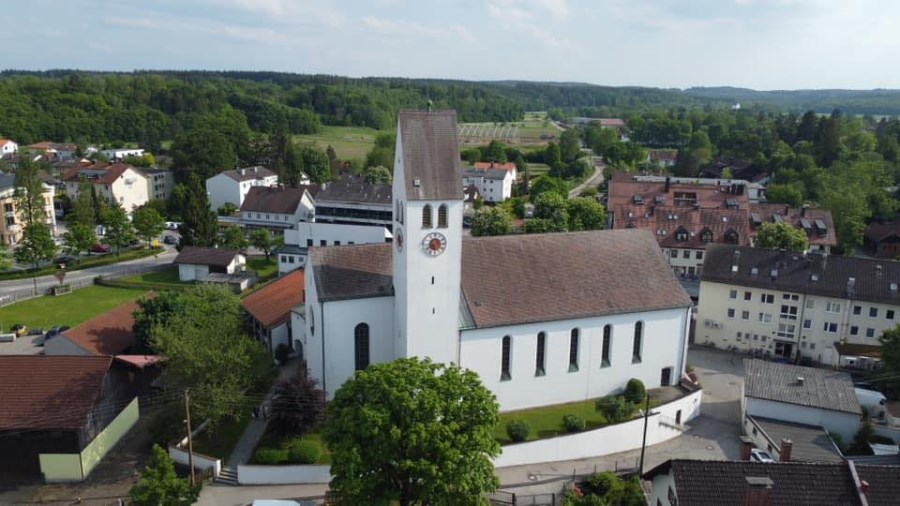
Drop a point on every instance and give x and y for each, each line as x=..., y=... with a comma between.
x=108, y=334
x=272, y=305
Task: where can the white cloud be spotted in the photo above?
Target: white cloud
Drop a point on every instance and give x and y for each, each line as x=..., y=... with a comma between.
x=406, y=29
x=201, y=26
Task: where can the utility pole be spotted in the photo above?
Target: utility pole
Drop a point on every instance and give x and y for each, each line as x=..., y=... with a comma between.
x=644, y=442
x=187, y=413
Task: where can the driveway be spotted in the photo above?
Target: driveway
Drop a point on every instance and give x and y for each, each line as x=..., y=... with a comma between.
x=721, y=375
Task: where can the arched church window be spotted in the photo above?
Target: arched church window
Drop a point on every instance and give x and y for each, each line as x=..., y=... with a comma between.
x=442, y=216
x=361, y=346
x=426, y=216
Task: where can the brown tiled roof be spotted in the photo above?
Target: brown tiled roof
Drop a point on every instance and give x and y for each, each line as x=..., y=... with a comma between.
x=49, y=392
x=710, y=482
x=430, y=155
x=249, y=173
x=667, y=222
x=623, y=187
x=611, y=122
x=517, y=279
x=352, y=272
x=109, y=333
x=354, y=190
x=206, y=256
x=108, y=173
x=669, y=155
x=811, y=274
x=877, y=232
x=797, y=218
x=278, y=200
x=272, y=305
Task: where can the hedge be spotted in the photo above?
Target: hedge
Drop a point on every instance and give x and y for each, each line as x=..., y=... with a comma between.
x=85, y=263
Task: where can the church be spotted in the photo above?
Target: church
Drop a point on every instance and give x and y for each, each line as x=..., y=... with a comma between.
x=543, y=319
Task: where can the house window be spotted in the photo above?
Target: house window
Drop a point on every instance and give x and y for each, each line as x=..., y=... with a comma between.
x=698, y=255
x=873, y=312
x=810, y=303
x=426, y=216
x=832, y=307
x=638, y=342
x=829, y=327
x=706, y=236
x=686, y=254
x=540, y=354
x=745, y=315
x=674, y=253
x=361, y=346
x=807, y=324
x=506, y=352
x=747, y=295
x=854, y=330
x=442, y=216
x=681, y=235
x=731, y=237
x=812, y=346
x=323, y=242
x=291, y=259
x=786, y=330
x=765, y=317
x=607, y=344
x=767, y=298
x=284, y=259
x=857, y=310
x=731, y=312
x=309, y=243
x=889, y=314
x=573, y=350
x=870, y=332
x=788, y=312
x=732, y=294
x=790, y=296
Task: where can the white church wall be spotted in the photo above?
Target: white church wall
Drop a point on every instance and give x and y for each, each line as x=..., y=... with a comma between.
x=662, y=347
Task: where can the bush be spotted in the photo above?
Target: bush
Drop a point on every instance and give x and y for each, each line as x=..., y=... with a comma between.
x=573, y=423
x=304, y=452
x=635, y=391
x=616, y=409
x=282, y=352
x=268, y=457
x=518, y=430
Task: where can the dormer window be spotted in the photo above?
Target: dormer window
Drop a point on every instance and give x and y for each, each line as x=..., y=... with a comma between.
x=706, y=235
x=681, y=235
x=731, y=237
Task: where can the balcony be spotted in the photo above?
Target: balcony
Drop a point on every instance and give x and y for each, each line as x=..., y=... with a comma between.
x=10, y=214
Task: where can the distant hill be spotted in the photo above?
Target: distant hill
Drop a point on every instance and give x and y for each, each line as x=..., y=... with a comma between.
x=873, y=102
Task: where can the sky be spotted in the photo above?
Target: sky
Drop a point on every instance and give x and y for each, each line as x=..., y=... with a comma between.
x=760, y=44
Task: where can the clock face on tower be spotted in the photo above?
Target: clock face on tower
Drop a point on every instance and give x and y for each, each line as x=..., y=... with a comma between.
x=434, y=244
x=398, y=239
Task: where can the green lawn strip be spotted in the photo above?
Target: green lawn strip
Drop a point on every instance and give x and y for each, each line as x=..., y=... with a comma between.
x=264, y=269
x=273, y=441
x=71, y=309
x=348, y=142
x=84, y=263
x=167, y=275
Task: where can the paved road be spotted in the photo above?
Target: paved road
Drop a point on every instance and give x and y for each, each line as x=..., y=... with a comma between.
x=129, y=267
x=595, y=180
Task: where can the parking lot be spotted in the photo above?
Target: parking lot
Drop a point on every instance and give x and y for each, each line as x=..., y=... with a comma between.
x=721, y=375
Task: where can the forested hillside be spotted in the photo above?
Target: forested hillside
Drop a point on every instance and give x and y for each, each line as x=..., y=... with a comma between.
x=872, y=102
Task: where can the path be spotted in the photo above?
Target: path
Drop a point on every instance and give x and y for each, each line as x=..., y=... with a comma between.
x=243, y=450
x=595, y=180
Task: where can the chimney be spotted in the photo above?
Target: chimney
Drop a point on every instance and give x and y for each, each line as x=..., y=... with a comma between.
x=746, y=447
x=787, y=447
x=759, y=491
x=255, y=169
x=243, y=172
x=668, y=183
x=803, y=210
x=801, y=380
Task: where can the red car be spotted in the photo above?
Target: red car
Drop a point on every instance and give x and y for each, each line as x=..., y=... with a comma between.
x=100, y=248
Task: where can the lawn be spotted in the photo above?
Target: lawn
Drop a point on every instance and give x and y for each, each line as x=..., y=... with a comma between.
x=220, y=443
x=69, y=310
x=527, y=131
x=168, y=275
x=348, y=142
x=264, y=269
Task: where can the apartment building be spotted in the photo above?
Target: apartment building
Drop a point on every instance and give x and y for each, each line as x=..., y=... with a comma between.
x=118, y=184
x=11, y=227
x=794, y=305
x=160, y=182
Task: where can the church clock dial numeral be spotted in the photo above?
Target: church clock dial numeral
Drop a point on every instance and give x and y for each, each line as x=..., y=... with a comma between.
x=434, y=244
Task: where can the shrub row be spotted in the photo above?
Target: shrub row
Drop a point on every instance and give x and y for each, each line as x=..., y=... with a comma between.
x=82, y=264
x=298, y=451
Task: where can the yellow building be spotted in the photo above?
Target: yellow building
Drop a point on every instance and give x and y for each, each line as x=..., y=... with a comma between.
x=11, y=226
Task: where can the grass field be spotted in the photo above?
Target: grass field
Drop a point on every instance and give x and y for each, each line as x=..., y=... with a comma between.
x=263, y=269
x=348, y=142
x=166, y=276
x=528, y=131
x=69, y=310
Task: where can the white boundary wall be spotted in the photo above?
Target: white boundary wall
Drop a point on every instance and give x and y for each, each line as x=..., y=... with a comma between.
x=201, y=462
x=282, y=475
x=605, y=440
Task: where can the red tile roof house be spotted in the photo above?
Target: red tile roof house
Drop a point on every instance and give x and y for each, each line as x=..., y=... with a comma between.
x=270, y=309
x=883, y=239
x=60, y=415
x=105, y=335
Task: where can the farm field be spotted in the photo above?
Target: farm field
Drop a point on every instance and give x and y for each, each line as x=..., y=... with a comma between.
x=534, y=129
x=348, y=142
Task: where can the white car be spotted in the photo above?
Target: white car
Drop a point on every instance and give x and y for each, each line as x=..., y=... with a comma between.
x=760, y=456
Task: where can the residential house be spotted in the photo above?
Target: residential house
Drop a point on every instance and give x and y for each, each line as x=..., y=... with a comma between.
x=495, y=185
x=270, y=312
x=883, y=239
x=117, y=155
x=61, y=415
x=12, y=225
x=56, y=150
x=687, y=216
x=297, y=241
x=352, y=201
x=534, y=339
x=118, y=184
x=8, y=147
x=733, y=168
x=804, y=395
x=107, y=334
x=197, y=264
x=783, y=304
x=665, y=158
x=508, y=166
x=232, y=186
x=160, y=182
x=791, y=442
x=277, y=208
x=679, y=482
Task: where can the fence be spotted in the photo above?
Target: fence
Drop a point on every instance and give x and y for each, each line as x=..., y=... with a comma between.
x=507, y=498
x=20, y=295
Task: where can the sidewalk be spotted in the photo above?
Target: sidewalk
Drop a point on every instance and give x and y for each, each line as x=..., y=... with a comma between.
x=243, y=450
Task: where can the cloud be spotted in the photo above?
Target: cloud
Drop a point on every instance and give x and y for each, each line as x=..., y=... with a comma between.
x=406, y=29
x=201, y=26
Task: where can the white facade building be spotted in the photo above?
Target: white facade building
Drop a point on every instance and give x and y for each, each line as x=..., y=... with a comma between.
x=232, y=186
x=160, y=183
x=784, y=304
x=298, y=240
x=116, y=155
x=196, y=264
x=276, y=208
x=8, y=147
x=117, y=184
x=495, y=185
x=571, y=326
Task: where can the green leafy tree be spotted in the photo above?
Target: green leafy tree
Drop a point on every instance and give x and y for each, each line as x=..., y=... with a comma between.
x=616, y=408
x=414, y=432
x=314, y=163
x=159, y=485
x=28, y=195
x=78, y=238
x=83, y=209
x=6, y=258
x=207, y=350
x=540, y=226
x=119, y=231
x=491, y=221
x=152, y=312
x=789, y=194
x=202, y=151
x=554, y=207
x=888, y=378
x=860, y=444
x=570, y=145
x=781, y=236
x=233, y=238
x=850, y=212
x=585, y=214
x=262, y=239
x=544, y=184
x=608, y=489
x=553, y=156
x=495, y=152
x=227, y=209
x=199, y=226
x=148, y=223
x=378, y=174
x=35, y=246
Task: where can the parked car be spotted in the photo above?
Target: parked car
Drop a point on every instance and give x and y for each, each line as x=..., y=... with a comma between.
x=169, y=239
x=65, y=260
x=55, y=331
x=760, y=456
x=172, y=225
x=19, y=329
x=100, y=248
